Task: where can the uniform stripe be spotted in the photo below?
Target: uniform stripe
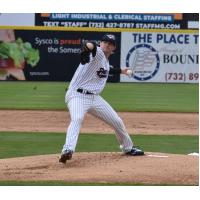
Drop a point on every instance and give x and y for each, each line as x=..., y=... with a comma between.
x=86, y=78
x=105, y=112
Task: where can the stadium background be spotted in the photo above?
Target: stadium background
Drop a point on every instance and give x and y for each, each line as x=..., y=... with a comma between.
x=59, y=36
x=45, y=85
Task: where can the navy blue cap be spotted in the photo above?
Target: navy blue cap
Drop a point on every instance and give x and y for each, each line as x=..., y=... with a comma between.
x=109, y=38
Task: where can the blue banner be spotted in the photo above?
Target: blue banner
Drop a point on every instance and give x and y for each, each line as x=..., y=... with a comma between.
x=128, y=17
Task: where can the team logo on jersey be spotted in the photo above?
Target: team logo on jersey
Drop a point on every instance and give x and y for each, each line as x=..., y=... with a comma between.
x=144, y=60
x=102, y=73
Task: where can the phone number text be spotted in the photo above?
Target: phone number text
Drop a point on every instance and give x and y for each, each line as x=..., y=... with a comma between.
x=181, y=77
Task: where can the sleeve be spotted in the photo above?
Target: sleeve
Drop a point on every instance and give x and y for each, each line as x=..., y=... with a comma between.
x=115, y=71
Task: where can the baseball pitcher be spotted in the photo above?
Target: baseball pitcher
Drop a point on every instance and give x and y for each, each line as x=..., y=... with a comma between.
x=83, y=96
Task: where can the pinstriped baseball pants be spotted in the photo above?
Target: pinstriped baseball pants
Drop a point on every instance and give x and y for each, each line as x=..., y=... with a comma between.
x=79, y=104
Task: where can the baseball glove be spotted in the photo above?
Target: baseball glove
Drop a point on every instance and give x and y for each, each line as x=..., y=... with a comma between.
x=85, y=57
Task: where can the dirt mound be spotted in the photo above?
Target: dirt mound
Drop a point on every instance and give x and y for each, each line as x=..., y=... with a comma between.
x=136, y=122
x=153, y=168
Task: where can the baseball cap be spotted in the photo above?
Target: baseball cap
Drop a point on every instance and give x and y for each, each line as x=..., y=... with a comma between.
x=109, y=38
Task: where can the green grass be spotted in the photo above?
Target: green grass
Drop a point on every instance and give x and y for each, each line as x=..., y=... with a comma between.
x=153, y=97
x=63, y=183
x=14, y=144
x=149, y=97
x=32, y=95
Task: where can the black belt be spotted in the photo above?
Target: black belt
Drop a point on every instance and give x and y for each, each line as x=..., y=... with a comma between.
x=83, y=91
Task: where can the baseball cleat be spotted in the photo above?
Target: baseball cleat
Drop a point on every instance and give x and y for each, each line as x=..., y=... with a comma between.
x=66, y=155
x=135, y=152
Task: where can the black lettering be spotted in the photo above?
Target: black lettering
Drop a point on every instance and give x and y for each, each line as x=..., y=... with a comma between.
x=174, y=59
x=166, y=58
x=182, y=59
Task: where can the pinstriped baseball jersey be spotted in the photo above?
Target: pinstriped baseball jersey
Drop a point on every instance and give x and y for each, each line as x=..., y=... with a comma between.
x=93, y=75
x=83, y=96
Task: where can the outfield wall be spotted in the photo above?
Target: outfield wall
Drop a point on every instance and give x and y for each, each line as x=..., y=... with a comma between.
x=157, y=55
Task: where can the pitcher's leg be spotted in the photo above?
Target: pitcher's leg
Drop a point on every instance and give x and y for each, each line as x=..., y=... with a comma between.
x=105, y=112
x=77, y=111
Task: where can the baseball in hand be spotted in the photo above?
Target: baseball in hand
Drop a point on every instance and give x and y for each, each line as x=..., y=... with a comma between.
x=129, y=72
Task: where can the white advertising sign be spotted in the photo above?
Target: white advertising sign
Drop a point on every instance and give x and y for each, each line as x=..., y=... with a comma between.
x=160, y=57
x=17, y=19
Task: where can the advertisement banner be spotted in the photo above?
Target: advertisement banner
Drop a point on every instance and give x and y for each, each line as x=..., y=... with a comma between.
x=111, y=17
x=36, y=55
x=161, y=56
x=115, y=20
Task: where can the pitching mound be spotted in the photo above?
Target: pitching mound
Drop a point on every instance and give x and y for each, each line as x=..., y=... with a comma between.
x=153, y=168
